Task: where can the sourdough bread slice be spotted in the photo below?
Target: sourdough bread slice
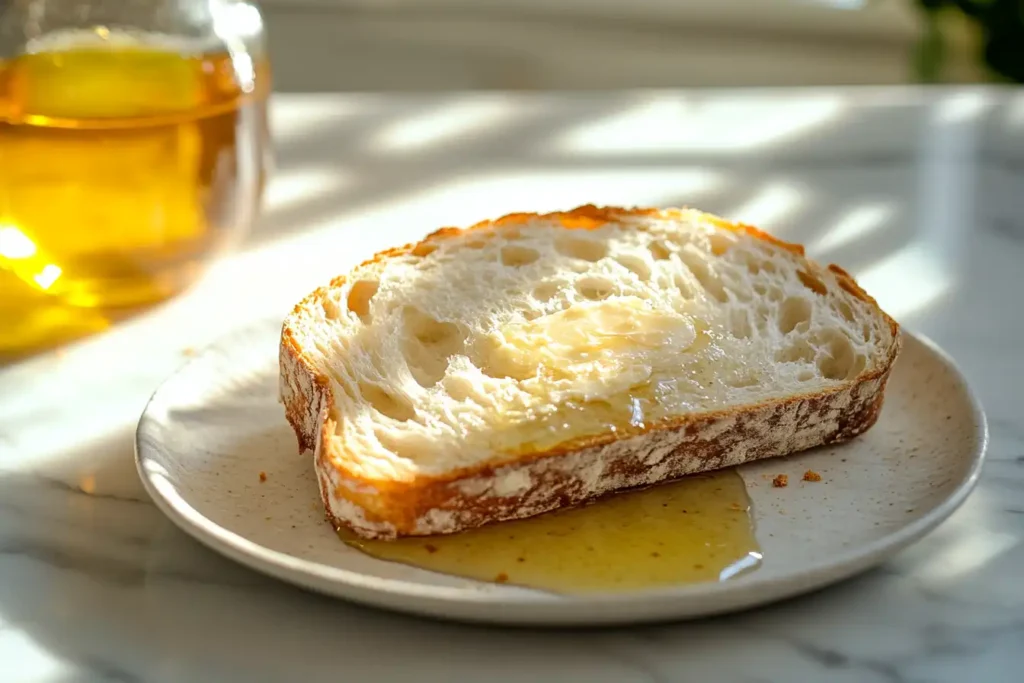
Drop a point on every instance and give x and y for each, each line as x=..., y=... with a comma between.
x=539, y=361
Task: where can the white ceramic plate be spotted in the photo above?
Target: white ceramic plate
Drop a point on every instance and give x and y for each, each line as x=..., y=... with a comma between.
x=214, y=426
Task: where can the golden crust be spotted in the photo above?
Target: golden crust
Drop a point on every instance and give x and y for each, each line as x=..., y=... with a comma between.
x=577, y=470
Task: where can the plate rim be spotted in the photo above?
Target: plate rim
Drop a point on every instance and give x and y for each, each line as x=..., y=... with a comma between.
x=653, y=604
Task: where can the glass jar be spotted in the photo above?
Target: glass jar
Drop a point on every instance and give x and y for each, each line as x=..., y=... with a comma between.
x=134, y=147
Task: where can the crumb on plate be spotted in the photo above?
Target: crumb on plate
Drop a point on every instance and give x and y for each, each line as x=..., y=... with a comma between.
x=780, y=481
x=811, y=475
x=501, y=578
x=263, y=477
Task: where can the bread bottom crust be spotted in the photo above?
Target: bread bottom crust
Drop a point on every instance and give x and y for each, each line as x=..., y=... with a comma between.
x=549, y=482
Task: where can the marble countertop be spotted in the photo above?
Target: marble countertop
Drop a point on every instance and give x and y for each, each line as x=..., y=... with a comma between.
x=920, y=193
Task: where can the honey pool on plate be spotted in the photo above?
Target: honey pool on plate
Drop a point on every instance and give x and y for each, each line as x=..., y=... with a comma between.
x=124, y=166
x=696, y=529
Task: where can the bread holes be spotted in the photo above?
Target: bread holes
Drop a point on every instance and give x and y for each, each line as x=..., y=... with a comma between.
x=595, y=288
x=546, y=291
x=812, y=283
x=459, y=388
x=701, y=270
x=719, y=243
x=427, y=330
x=760, y=289
x=799, y=351
x=511, y=234
x=739, y=324
x=635, y=265
x=736, y=287
x=866, y=332
x=752, y=263
x=762, y=318
x=805, y=376
x=516, y=256
x=331, y=308
x=396, y=407
x=683, y=285
x=494, y=360
x=476, y=244
x=424, y=249
x=769, y=267
x=742, y=381
x=428, y=345
x=584, y=249
x=659, y=251
x=860, y=362
x=846, y=311
x=359, y=298
x=793, y=312
x=837, y=358
x=579, y=267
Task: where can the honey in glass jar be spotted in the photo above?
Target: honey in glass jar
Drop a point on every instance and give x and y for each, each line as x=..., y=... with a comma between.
x=128, y=158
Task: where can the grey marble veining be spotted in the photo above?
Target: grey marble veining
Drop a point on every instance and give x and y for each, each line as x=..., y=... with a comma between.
x=918, y=192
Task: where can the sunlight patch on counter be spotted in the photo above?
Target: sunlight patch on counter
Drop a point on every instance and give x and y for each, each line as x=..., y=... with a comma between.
x=969, y=553
x=906, y=281
x=672, y=124
x=444, y=124
x=855, y=224
x=30, y=660
x=770, y=205
x=302, y=116
x=290, y=188
x=962, y=107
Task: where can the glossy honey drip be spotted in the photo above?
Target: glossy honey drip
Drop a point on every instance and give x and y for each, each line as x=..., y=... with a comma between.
x=697, y=529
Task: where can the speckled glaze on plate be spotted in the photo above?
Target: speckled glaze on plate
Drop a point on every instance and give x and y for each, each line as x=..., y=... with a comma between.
x=215, y=425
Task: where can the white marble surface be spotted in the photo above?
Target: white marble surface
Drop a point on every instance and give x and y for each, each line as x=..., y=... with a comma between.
x=920, y=193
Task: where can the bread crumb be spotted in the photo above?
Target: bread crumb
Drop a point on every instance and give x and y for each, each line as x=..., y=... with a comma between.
x=811, y=475
x=188, y=352
x=780, y=481
x=430, y=548
x=263, y=477
x=501, y=578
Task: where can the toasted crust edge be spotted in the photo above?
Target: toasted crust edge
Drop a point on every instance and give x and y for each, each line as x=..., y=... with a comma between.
x=573, y=472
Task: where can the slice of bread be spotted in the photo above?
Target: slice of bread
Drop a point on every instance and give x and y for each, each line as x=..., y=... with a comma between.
x=538, y=361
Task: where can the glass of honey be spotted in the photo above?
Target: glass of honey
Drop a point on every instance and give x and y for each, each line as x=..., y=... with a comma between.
x=134, y=147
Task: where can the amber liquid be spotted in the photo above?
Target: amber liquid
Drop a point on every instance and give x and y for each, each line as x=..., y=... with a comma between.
x=122, y=170
x=697, y=529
